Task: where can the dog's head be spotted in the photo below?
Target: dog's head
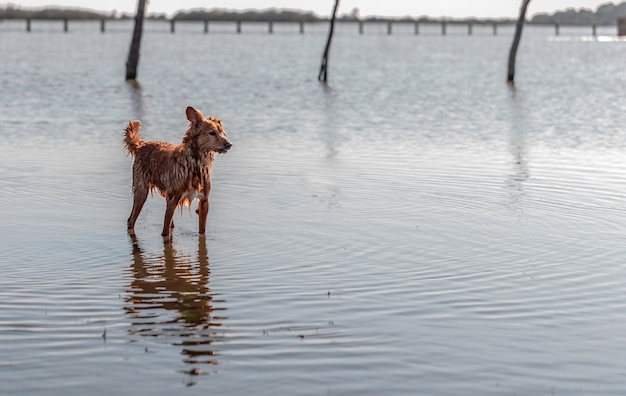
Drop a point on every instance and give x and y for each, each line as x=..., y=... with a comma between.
x=206, y=134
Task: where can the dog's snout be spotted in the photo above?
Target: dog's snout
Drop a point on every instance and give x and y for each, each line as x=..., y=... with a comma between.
x=228, y=145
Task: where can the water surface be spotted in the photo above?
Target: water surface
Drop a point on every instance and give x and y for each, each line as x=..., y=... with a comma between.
x=417, y=226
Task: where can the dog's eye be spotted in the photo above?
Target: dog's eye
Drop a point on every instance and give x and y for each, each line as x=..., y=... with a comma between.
x=212, y=133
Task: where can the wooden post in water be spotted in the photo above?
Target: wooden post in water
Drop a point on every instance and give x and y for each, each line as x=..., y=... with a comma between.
x=593, y=30
x=301, y=27
x=516, y=40
x=417, y=28
x=206, y=26
x=469, y=29
x=556, y=29
x=621, y=27
x=323, y=75
x=65, y=25
x=389, y=27
x=495, y=29
x=172, y=26
x=28, y=25
x=360, y=27
x=133, y=53
x=270, y=27
x=102, y=25
x=238, y=27
x=443, y=28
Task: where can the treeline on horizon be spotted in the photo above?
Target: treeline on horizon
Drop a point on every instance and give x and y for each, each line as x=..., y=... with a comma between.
x=606, y=14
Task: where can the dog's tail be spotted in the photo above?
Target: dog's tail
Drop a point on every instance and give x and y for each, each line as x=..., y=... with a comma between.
x=132, y=138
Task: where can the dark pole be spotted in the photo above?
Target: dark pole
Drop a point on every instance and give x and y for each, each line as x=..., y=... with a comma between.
x=133, y=53
x=323, y=76
x=516, y=40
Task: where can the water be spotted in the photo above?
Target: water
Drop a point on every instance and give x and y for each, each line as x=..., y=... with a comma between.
x=415, y=227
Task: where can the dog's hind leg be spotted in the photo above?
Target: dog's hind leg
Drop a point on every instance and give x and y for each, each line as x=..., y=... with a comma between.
x=203, y=212
x=139, y=198
x=172, y=203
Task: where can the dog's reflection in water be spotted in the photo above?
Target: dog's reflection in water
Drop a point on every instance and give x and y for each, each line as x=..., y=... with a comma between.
x=169, y=299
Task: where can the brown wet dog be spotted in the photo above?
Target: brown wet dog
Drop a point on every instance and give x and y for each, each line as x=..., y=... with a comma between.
x=179, y=173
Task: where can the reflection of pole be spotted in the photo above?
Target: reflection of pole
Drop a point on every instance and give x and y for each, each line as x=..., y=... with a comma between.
x=516, y=40
x=133, y=54
x=520, y=160
x=323, y=76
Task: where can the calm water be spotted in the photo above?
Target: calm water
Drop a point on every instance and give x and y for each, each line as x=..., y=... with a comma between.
x=415, y=227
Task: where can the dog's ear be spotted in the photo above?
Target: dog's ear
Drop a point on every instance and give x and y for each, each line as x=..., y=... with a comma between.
x=193, y=115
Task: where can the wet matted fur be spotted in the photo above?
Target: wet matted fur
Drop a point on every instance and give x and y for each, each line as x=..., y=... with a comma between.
x=179, y=173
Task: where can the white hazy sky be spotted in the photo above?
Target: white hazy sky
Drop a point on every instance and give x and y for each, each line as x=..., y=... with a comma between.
x=435, y=8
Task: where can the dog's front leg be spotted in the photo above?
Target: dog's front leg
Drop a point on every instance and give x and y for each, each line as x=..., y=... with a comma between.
x=172, y=203
x=203, y=212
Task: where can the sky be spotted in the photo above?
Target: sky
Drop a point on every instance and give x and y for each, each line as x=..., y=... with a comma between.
x=433, y=8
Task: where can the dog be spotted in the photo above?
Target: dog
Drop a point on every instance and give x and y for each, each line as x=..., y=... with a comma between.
x=179, y=173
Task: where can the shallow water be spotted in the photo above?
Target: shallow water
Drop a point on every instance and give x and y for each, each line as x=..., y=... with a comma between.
x=415, y=227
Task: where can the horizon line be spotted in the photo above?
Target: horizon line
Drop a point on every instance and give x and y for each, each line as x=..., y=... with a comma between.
x=301, y=10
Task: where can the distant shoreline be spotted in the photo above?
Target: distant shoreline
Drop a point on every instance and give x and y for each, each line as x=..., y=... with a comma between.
x=607, y=14
x=219, y=14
